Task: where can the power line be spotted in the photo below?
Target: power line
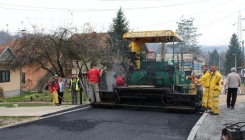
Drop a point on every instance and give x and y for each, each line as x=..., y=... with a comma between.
x=220, y=19
x=188, y=15
x=88, y=10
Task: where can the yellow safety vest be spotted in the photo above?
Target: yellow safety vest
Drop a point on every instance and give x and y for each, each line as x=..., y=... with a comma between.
x=215, y=81
x=71, y=81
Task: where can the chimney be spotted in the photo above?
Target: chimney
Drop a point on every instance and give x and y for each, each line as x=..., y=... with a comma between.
x=23, y=33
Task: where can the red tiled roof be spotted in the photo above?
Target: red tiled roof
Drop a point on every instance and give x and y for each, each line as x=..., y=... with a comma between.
x=8, y=44
x=2, y=48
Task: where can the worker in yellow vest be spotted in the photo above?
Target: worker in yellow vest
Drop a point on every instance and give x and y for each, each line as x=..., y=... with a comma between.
x=74, y=87
x=207, y=96
x=215, y=89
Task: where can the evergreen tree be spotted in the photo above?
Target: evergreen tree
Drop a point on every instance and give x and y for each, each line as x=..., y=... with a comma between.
x=213, y=58
x=117, y=28
x=190, y=36
x=234, y=53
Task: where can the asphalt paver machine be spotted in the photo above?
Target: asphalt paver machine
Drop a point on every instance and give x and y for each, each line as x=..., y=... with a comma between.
x=152, y=81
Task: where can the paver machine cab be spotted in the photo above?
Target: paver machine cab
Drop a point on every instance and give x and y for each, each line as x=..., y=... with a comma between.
x=152, y=82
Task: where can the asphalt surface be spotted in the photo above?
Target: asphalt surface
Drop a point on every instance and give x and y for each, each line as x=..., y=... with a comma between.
x=105, y=124
x=212, y=125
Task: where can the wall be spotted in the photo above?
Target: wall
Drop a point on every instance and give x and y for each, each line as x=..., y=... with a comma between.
x=12, y=88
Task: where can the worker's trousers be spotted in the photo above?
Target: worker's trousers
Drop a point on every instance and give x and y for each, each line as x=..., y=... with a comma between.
x=207, y=98
x=55, y=97
x=215, y=99
x=74, y=96
x=193, y=89
x=94, y=91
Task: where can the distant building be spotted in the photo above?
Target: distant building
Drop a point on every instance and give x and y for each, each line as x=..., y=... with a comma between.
x=10, y=80
x=190, y=63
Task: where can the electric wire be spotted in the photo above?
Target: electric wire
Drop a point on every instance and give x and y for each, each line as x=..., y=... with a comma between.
x=214, y=21
x=88, y=10
x=204, y=25
x=220, y=19
x=188, y=15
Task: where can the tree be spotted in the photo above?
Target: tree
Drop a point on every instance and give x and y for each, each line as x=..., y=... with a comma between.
x=90, y=48
x=117, y=28
x=190, y=36
x=42, y=51
x=57, y=52
x=213, y=58
x=234, y=53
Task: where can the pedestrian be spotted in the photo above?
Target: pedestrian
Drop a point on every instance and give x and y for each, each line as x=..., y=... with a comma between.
x=194, y=81
x=120, y=80
x=215, y=89
x=93, y=78
x=54, y=87
x=61, y=91
x=74, y=88
x=233, y=82
x=207, y=96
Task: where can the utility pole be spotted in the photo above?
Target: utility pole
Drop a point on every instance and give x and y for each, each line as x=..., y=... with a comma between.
x=243, y=60
x=219, y=62
x=239, y=29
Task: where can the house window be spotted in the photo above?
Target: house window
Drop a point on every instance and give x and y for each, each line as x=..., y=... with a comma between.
x=4, y=76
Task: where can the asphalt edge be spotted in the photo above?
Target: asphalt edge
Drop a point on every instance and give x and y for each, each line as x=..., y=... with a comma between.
x=64, y=110
x=48, y=116
x=199, y=123
x=196, y=127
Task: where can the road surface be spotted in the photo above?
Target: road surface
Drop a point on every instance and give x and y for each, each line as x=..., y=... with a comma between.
x=106, y=124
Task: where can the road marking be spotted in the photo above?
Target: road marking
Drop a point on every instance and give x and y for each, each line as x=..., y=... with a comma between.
x=196, y=127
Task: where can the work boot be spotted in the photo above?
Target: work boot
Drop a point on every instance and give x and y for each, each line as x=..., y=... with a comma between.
x=203, y=109
x=212, y=113
x=209, y=111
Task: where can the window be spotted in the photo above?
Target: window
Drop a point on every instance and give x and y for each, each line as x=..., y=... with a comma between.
x=4, y=76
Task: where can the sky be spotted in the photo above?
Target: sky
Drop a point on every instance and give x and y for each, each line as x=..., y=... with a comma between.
x=216, y=20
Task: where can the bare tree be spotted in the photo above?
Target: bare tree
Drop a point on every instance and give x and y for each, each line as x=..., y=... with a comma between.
x=55, y=51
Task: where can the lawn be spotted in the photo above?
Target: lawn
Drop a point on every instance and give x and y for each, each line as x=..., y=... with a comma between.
x=38, y=99
x=22, y=104
x=16, y=117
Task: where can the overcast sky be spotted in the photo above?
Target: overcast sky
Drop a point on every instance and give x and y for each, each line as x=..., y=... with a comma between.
x=213, y=18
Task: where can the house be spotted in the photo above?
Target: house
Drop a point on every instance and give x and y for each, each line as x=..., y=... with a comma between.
x=10, y=80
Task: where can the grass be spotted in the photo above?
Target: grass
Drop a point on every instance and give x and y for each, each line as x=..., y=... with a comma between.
x=41, y=98
x=16, y=117
x=25, y=104
x=5, y=120
x=30, y=96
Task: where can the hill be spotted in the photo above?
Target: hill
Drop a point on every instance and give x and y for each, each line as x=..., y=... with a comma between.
x=219, y=48
x=204, y=48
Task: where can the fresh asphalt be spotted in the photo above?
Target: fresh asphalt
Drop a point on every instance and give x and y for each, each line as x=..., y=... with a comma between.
x=83, y=122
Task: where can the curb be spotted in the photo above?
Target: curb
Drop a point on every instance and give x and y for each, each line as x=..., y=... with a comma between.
x=196, y=127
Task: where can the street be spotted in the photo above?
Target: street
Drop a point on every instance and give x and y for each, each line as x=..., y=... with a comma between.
x=104, y=123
